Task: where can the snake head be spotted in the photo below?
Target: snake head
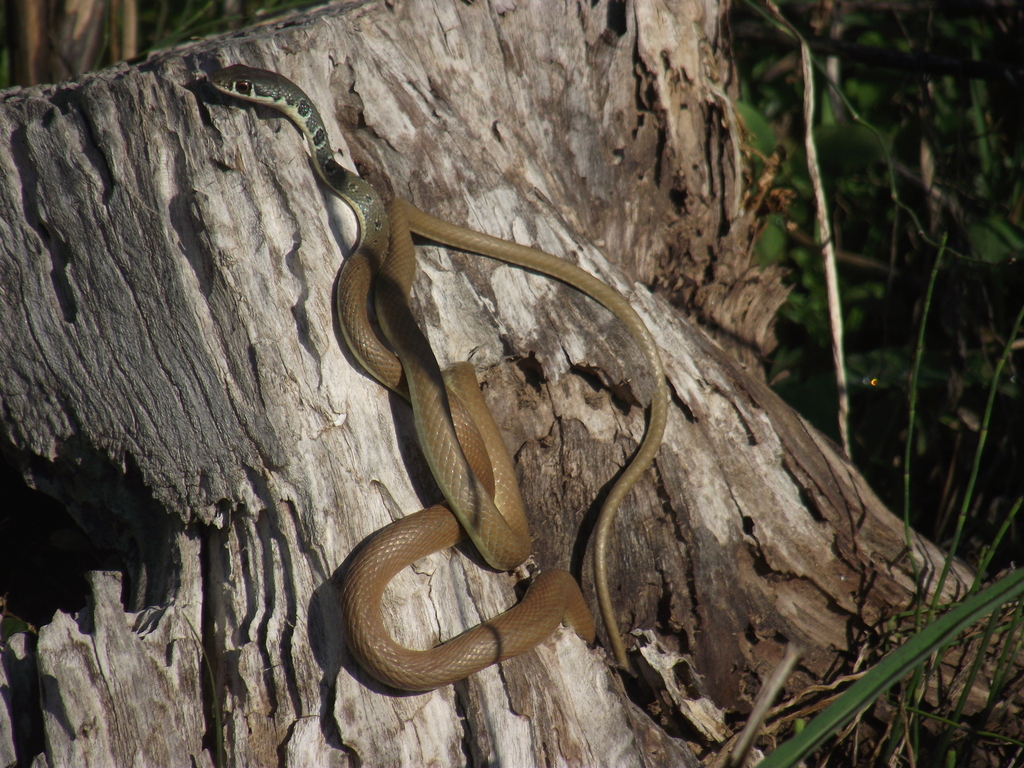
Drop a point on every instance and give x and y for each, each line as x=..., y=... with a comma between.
x=236, y=80
x=251, y=84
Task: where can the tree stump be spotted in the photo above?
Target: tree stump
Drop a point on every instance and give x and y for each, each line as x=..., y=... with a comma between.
x=173, y=373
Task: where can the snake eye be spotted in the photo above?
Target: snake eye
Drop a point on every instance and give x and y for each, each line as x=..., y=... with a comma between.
x=244, y=87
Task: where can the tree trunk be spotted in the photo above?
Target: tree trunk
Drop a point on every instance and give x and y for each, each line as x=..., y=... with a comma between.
x=172, y=372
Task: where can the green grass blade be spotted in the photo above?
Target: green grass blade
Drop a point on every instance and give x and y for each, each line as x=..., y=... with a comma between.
x=893, y=668
x=1001, y=737
x=912, y=416
x=1005, y=669
x=965, y=694
x=976, y=466
x=990, y=550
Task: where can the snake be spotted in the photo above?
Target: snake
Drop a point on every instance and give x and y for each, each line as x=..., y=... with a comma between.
x=460, y=441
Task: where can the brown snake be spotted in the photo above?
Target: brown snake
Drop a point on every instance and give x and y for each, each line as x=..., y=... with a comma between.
x=462, y=444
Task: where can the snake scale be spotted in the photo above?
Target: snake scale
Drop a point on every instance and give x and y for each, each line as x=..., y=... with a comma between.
x=458, y=436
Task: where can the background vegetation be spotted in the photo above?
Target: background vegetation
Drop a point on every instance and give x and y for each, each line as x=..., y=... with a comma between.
x=918, y=129
x=945, y=158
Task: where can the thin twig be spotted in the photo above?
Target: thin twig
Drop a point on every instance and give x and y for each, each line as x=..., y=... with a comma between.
x=824, y=230
x=911, y=419
x=923, y=64
x=769, y=691
x=835, y=312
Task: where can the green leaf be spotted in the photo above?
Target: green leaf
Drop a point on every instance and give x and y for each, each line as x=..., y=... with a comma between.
x=12, y=625
x=771, y=243
x=994, y=239
x=759, y=133
x=844, y=149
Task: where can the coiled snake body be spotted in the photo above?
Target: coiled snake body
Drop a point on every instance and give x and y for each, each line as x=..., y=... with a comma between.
x=453, y=425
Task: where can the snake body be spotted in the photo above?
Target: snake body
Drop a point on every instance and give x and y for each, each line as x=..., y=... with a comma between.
x=458, y=436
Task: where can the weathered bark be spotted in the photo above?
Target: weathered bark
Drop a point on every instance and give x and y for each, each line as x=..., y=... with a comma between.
x=173, y=374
